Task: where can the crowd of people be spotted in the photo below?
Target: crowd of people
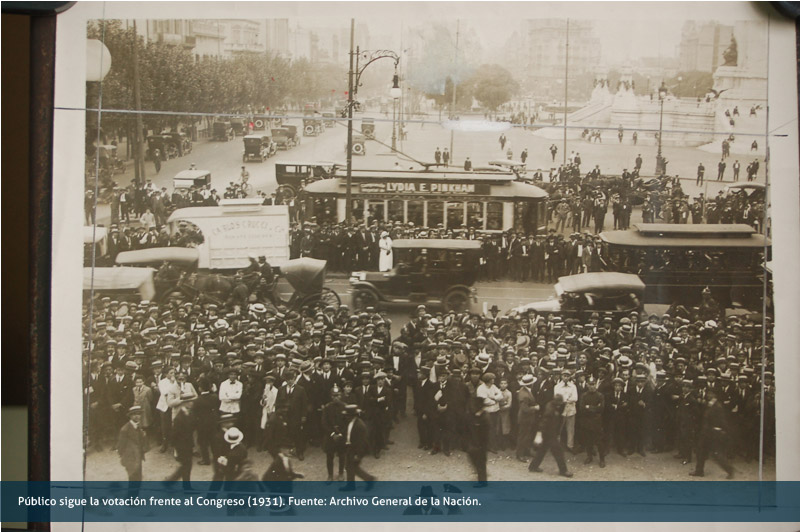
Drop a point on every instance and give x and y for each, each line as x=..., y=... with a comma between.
x=233, y=381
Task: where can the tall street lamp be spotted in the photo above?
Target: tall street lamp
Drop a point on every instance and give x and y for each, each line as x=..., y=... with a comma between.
x=354, y=81
x=661, y=164
x=395, y=93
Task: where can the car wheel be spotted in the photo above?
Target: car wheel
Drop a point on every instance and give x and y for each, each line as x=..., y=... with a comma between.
x=457, y=301
x=363, y=299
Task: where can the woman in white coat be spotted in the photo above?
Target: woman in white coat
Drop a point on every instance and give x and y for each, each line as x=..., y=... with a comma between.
x=386, y=259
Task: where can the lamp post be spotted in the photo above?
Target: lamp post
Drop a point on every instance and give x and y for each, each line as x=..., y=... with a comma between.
x=395, y=93
x=354, y=81
x=661, y=166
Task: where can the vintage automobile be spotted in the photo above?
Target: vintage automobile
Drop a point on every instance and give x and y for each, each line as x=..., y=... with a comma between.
x=241, y=126
x=329, y=119
x=123, y=283
x=359, y=145
x=291, y=176
x=162, y=147
x=609, y=293
x=107, y=154
x=260, y=123
x=312, y=127
x=285, y=137
x=191, y=178
x=182, y=143
x=222, y=131
x=258, y=147
x=436, y=271
x=294, y=136
x=368, y=127
x=168, y=263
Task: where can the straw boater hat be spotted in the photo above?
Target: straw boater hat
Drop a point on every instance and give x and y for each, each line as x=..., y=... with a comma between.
x=233, y=435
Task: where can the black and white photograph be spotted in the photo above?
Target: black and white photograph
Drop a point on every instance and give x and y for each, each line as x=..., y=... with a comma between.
x=358, y=243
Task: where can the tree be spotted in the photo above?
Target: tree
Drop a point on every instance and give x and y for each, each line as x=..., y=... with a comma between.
x=493, y=86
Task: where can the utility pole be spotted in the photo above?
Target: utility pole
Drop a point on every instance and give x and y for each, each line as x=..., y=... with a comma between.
x=453, y=104
x=137, y=102
x=566, y=94
x=349, y=193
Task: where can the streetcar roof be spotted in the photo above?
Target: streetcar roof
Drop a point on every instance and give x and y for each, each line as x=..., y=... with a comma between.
x=317, y=163
x=503, y=189
x=600, y=282
x=436, y=243
x=695, y=229
x=687, y=236
x=497, y=175
x=507, y=163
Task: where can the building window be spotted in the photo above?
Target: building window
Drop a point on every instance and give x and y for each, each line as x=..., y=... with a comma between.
x=416, y=213
x=455, y=215
x=494, y=216
x=435, y=213
x=395, y=211
x=475, y=215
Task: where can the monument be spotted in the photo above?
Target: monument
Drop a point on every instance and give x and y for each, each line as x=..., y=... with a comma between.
x=742, y=78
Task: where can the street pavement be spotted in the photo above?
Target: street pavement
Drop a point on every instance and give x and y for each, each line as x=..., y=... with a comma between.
x=224, y=159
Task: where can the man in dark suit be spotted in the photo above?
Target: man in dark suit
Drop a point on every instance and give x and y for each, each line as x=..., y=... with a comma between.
x=206, y=410
x=333, y=426
x=132, y=445
x=379, y=400
x=356, y=446
x=616, y=416
x=714, y=436
x=119, y=393
x=183, y=443
x=293, y=401
x=549, y=431
x=526, y=417
x=688, y=409
x=425, y=408
x=591, y=407
x=640, y=401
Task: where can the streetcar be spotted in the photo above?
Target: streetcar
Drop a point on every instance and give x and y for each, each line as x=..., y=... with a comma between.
x=677, y=261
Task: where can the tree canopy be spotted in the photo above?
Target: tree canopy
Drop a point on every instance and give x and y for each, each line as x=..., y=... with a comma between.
x=493, y=86
x=172, y=79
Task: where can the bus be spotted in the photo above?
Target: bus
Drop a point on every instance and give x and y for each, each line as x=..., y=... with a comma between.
x=677, y=261
x=450, y=199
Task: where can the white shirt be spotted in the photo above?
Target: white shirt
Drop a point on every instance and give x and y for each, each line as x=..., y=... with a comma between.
x=170, y=394
x=350, y=429
x=491, y=396
x=569, y=392
x=229, y=395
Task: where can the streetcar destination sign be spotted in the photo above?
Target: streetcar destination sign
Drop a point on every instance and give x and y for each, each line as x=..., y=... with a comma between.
x=434, y=187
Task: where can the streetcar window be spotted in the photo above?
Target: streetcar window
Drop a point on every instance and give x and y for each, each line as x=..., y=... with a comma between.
x=395, y=210
x=455, y=214
x=494, y=215
x=475, y=215
x=435, y=213
x=416, y=213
